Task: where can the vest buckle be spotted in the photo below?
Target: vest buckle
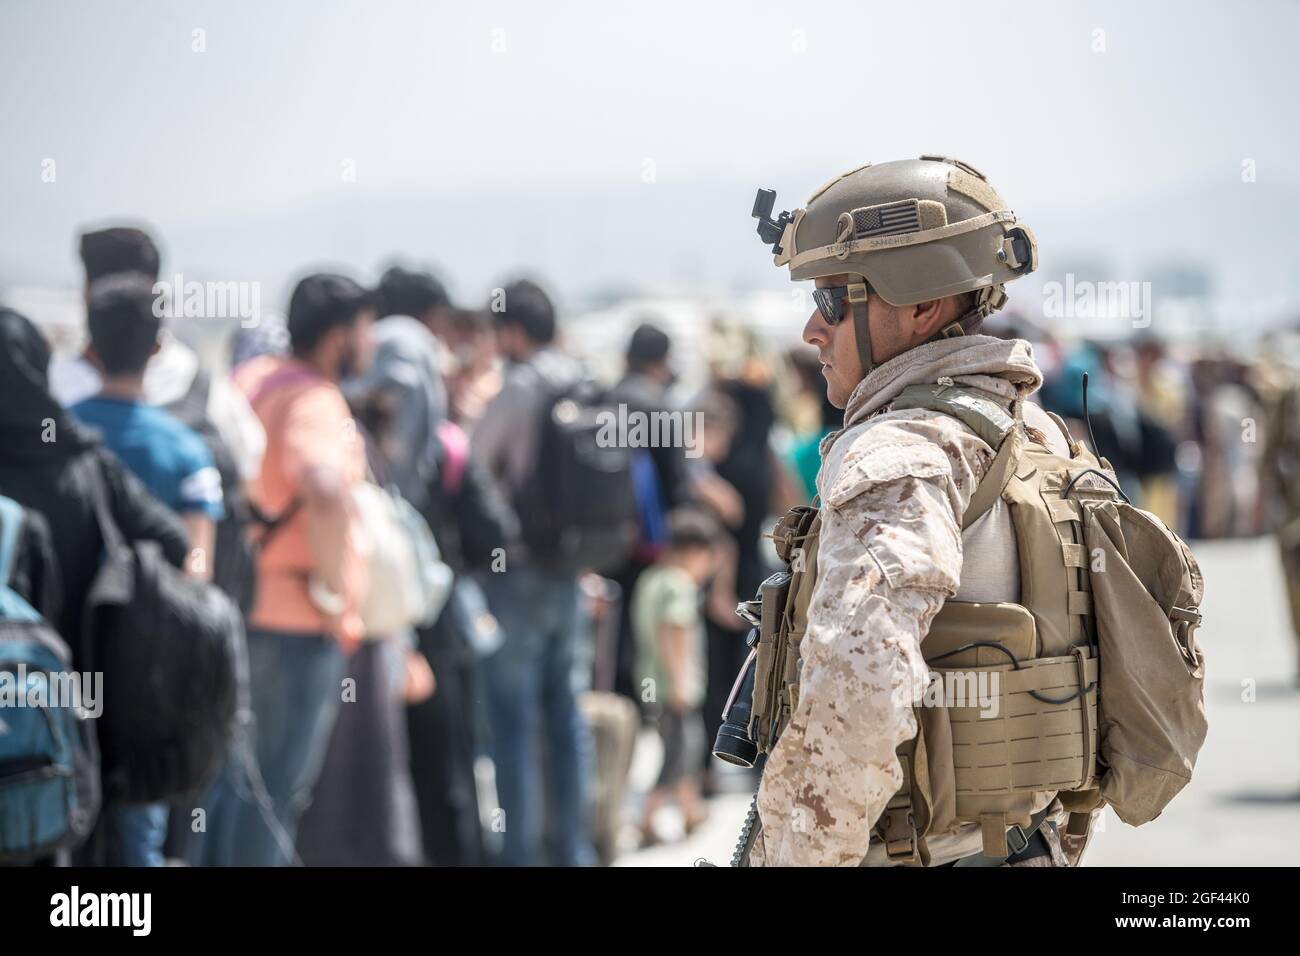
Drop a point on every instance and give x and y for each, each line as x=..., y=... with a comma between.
x=1017, y=839
x=898, y=829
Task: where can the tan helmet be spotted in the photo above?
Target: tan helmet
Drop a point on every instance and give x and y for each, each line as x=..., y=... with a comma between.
x=913, y=230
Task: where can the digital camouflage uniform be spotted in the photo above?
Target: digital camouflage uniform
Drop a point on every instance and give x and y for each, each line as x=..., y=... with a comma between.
x=893, y=487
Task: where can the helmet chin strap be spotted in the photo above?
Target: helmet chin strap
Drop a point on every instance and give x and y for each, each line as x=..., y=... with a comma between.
x=989, y=300
x=861, y=330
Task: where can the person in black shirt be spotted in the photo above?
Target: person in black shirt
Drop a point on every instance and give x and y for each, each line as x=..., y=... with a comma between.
x=49, y=464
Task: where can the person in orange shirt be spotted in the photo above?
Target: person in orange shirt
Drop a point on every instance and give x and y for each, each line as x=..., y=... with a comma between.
x=311, y=568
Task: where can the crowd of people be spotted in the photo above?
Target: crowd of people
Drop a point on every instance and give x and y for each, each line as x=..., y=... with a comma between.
x=1191, y=428
x=588, y=593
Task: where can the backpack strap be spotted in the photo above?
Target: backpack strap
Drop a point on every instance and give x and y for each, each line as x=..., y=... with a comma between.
x=12, y=605
x=192, y=407
x=118, y=585
x=985, y=414
x=11, y=516
x=456, y=446
x=996, y=478
x=114, y=542
x=982, y=412
x=271, y=526
x=281, y=378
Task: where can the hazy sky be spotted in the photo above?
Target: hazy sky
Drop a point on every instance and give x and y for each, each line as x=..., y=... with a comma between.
x=474, y=100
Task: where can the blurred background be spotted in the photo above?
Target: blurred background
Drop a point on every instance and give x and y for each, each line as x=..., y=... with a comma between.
x=615, y=148
x=611, y=152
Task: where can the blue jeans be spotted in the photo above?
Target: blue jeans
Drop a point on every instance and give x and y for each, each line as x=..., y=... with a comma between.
x=135, y=834
x=532, y=684
x=295, y=683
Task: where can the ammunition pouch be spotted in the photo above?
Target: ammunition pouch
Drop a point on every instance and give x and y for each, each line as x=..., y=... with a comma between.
x=999, y=727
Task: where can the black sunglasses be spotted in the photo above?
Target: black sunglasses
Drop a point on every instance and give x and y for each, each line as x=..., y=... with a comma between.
x=830, y=302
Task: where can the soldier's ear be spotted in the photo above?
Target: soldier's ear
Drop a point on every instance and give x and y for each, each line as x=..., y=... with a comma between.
x=927, y=318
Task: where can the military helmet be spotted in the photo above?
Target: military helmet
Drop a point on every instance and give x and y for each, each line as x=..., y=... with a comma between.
x=914, y=230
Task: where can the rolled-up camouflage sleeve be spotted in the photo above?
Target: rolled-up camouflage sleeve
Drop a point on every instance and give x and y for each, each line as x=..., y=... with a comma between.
x=889, y=555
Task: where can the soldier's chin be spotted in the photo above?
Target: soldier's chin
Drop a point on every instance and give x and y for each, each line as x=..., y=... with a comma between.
x=835, y=394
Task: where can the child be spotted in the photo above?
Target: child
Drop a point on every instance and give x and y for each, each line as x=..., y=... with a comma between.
x=669, y=632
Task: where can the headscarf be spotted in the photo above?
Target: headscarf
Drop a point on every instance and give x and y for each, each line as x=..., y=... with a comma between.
x=405, y=375
x=33, y=426
x=269, y=337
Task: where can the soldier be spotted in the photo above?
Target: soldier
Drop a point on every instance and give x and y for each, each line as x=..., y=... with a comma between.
x=908, y=258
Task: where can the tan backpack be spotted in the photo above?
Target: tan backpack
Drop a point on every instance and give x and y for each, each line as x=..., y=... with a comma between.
x=1096, y=678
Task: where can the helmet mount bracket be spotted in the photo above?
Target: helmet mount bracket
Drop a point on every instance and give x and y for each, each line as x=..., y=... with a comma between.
x=770, y=230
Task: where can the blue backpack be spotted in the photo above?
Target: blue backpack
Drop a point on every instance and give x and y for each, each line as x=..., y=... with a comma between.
x=652, y=515
x=49, y=765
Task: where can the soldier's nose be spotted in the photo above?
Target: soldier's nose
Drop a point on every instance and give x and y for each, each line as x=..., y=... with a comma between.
x=815, y=330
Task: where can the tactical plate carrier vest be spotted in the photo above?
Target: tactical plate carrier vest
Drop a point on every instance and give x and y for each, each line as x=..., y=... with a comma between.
x=1109, y=601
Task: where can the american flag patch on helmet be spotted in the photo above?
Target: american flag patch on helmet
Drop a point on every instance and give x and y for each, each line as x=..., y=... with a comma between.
x=886, y=219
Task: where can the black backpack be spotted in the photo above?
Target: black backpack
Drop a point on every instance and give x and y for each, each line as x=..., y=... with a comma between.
x=171, y=650
x=234, y=563
x=579, y=507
